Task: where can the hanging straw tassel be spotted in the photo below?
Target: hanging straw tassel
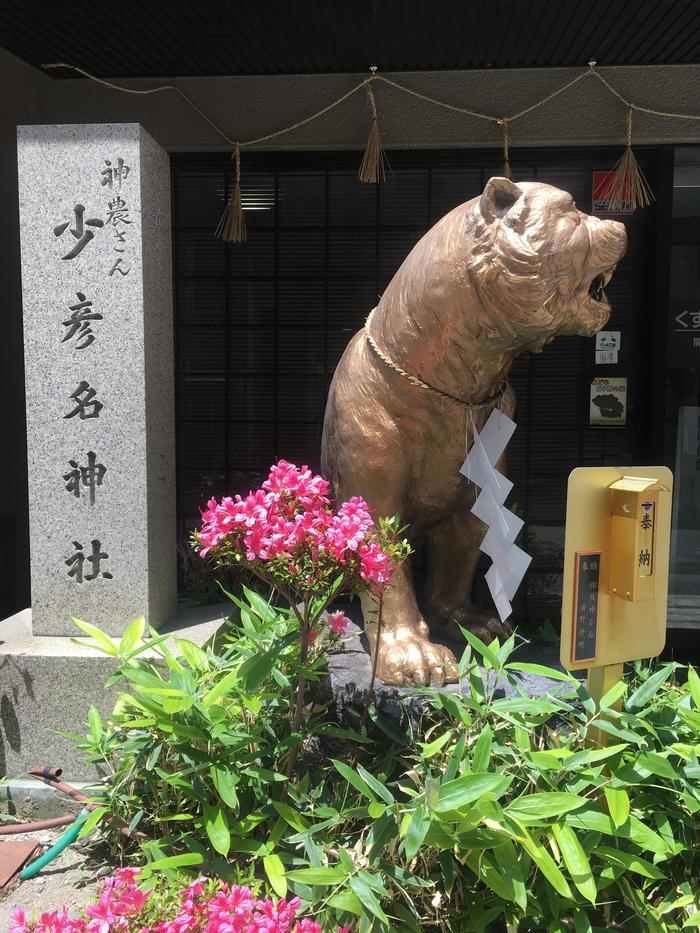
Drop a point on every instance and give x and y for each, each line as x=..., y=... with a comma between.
x=628, y=189
x=506, y=147
x=372, y=169
x=232, y=227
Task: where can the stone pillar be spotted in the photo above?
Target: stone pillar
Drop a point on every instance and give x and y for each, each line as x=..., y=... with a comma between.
x=96, y=286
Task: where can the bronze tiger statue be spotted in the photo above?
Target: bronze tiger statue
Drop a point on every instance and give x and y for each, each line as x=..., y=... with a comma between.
x=503, y=273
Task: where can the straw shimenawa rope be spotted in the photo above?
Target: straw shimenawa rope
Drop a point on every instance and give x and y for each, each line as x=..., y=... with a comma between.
x=232, y=226
x=506, y=146
x=629, y=177
x=626, y=187
x=372, y=169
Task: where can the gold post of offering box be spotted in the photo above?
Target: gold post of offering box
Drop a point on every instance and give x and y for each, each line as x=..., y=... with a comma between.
x=616, y=562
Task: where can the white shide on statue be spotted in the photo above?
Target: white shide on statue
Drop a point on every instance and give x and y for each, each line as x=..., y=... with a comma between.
x=509, y=562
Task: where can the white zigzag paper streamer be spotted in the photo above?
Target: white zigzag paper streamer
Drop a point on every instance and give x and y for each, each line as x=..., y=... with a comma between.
x=509, y=562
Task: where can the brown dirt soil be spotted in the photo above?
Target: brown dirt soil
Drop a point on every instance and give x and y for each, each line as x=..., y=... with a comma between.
x=67, y=881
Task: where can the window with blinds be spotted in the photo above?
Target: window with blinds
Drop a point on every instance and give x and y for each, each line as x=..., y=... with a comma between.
x=260, y=326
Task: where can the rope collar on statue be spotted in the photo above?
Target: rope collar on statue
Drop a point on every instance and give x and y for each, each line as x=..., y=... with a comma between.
x=417, y=381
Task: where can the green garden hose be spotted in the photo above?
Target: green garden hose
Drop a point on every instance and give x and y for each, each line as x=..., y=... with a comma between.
x=69, y=836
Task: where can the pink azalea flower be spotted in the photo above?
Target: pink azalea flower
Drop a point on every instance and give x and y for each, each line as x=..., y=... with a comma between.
x=102, y=915
x=375, y=563
x=124, y=877
x=308, y=926
x=228, y=910
x=194, y=889
x=289, y=526
x=278, y=917
x=18, y=921
x=338, y=622
x=286, y=479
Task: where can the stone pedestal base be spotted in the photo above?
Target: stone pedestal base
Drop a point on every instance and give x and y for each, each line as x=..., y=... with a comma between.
x=48, y=684
x=350, y=671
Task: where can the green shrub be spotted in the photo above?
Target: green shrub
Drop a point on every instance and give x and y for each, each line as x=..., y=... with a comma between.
x=494, y=814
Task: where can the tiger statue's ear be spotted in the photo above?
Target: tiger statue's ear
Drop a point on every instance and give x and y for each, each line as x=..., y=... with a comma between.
x=499, y=195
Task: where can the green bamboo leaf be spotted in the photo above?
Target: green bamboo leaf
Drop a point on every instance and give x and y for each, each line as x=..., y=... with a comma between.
x=153, y=685
x=486, y=652
x=576, y=860
x=322, y=877
x=135, y=820
x=482, y=750
x=376, y=786
x=256, y=668
x=536, y=807
x=545, y=863
x=507, y=860
x=264, y=774
x=690, y=717
x=658, y=765
x=694, y=686
x=174, y=818
x=261, y=607
x=327, y=728
x=172, y=861
x=361, y=886
x=466, y=789
x=132, y=636
x=381, y=833
x=227, y=683
x=540, y=669
x=447, y=866
x=193, y=654
x=476, y=685
x=150, y=644
x=216, y=826
x=506, y=649
x=225, y=783
x=91, y=821
x=401, y=737
x=613, y=695
x=432, y=792
x=177, y=704
x=684, y=901
x=629, y=862
x=346, y=900
x=291, y=816
x=432, y=748
x=633, y=828
x=546, y=761
x=438, y=837
x=95, y=724
x=620, y=733
x=353, y=778
x=105, y=644
x=456, y=757
x=249, y=846
x=582, y=923
x=618, y=804
x=593, y=755
x=649, y=688
x=483, y=867
x=274, y=869
x=154, y=756
x=415, y=834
